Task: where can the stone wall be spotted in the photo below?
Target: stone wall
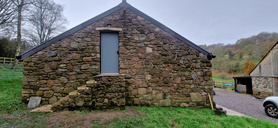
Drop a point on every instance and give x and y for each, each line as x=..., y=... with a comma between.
x=163, y=70
x=79, y=99
x=241, y=88
x=262, y=86
x=109, y=92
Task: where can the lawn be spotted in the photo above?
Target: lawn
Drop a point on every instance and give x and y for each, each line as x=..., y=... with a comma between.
x=14, y=114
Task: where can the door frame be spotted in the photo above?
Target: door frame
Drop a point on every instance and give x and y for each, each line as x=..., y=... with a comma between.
x=275, y=86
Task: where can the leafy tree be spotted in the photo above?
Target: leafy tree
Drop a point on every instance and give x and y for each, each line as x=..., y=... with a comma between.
x=248, y=67
x=7, y=47
x=231, y=55
x=266, y=46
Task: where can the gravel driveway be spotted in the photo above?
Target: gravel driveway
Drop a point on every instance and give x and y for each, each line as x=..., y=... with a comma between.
x=243, y=103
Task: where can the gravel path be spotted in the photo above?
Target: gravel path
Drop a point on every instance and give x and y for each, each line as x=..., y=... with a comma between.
x=243, y=103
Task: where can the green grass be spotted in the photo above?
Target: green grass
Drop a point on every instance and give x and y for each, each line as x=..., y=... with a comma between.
x=187, y=118
x=225, y=80
x=10, y=75
x=23, y=119
x=10, y=89
x=13, y=112
x=219, y=82
x=10, y=95
x=149, y=117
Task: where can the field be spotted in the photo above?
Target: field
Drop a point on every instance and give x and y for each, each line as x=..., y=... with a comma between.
x=14, y=114
x=225, y=80
x=220, y=82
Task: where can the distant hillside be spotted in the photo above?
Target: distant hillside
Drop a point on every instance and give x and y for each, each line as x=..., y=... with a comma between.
x=231, y=57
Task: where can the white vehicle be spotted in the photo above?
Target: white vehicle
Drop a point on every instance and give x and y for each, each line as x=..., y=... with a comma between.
x=270, y=106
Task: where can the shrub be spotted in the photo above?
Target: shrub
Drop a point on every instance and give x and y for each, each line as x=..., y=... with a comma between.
x=248, y=67
x=222, y=75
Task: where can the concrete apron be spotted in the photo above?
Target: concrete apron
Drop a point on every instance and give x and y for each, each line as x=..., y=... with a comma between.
x=232, y=112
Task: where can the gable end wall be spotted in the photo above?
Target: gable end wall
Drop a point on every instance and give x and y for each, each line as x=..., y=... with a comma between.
x=164, y=71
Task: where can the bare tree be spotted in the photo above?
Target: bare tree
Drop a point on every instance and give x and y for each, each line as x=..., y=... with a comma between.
x=44, y=21
x=7, y=11
x=8, y=14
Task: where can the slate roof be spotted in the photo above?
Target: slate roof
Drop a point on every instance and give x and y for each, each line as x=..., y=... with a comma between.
x=122, y=5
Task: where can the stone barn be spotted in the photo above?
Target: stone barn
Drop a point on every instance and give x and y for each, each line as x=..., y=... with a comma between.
x=265, y=75
x=120, y=57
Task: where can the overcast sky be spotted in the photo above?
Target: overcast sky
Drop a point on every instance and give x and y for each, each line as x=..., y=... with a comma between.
x=200, y=21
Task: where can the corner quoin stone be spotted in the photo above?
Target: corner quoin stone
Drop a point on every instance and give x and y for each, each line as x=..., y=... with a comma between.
x=196, y=97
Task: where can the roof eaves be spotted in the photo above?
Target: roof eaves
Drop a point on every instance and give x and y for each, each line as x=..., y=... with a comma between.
x=241, y=77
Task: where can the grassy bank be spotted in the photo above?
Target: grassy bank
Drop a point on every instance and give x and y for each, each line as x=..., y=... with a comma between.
x=186, y=117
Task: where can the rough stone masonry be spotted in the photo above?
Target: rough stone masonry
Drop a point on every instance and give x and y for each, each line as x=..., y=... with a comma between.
x=155, y=68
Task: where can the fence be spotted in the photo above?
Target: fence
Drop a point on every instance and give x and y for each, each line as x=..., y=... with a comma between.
x=224, y=85
x=7, y=71
x=5, y=60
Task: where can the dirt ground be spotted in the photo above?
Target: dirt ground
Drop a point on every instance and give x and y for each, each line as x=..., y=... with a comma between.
x=86, y=120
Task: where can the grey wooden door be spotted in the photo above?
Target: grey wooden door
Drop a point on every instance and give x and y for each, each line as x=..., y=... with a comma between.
x=109, y=53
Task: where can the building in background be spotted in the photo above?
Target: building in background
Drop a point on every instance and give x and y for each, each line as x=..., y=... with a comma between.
x=265, y=75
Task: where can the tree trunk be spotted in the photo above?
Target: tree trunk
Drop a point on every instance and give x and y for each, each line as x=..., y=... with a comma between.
x=19, y=43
